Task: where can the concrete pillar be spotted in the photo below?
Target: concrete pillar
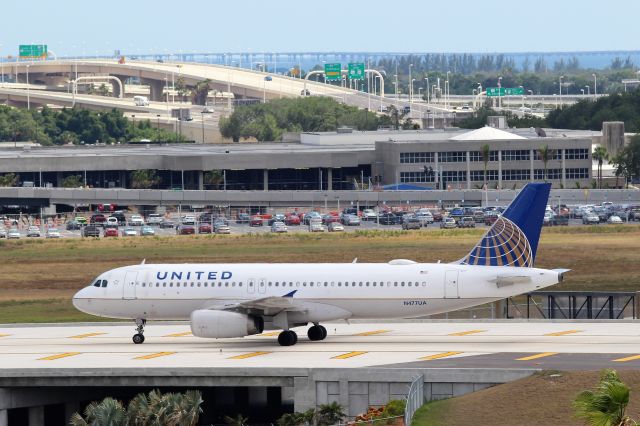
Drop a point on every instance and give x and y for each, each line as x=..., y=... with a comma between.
x=329, y=179
x=564, y=168
x=59, y=179
x=116, y=87
x=436, y=163
x=200, y=179
x=4, y=418
x=531, y=171
x=468, y=170
x=156, y=88
x=265, y=180
x=36, y=416
x=123, y=179
x=499, y=169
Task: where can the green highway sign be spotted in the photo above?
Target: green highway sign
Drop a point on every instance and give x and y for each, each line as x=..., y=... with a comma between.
x=505, y=91
x=333, y=72
x=31, y=51
x=356, y=71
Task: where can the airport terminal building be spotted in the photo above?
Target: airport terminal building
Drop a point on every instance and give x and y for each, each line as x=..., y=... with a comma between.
x=344, y=160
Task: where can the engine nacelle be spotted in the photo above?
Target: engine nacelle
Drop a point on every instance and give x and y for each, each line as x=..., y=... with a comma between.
x=221, y=324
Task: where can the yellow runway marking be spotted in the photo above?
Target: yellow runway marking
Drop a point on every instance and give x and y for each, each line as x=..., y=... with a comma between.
x=186, y=333
x=438, y=356
x=58, y=356
x=563, y=333
x=156, y=355
x=536, y=356
x=629, y=358
x=371, y=333
x=271, y=333
x=249, y=355
x=4, y=335
x=349, y=355
x=465, y=333
x=84, y=336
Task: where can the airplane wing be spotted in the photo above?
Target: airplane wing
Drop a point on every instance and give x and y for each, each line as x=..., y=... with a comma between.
x=267, y=305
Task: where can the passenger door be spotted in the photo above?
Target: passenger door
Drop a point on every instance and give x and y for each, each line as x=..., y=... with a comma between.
x=129, y=285
x=451, y=285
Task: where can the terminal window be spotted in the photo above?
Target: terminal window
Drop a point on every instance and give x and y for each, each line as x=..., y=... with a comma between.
x=478, y=175
x=416, y=157
x=552, y=174
x=516, y=155
x=452, y=157
x=477, y=156
x=515, y=174
x=581, y=173
x=454, y=176
x=420, y=177
x=576, y=154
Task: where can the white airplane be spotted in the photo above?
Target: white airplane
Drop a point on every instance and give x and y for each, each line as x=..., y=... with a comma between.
x=237, y=300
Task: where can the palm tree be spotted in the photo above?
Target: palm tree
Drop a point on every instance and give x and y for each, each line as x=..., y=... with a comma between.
x=607, y=404
x=600, y=154
x=330, y=414
x=617, y=162
x=108, y=412
x=485, y=150
x=545, y=155
x=238, y=420
x=144, y=179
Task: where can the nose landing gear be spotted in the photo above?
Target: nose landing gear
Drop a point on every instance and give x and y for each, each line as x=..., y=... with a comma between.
x=138, y=338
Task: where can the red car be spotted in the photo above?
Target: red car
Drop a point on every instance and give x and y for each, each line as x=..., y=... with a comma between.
x=98, y=218
x=437, y=215
x=185, y=230
x=256, y=221
x=204, y=228
x=292, y=219
x=111, y=232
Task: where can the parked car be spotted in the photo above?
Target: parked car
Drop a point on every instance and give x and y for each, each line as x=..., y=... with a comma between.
x=185, y=229
x=111, y=222
x=91, y=231
x=411, y=222
x=590, y=219
x=136, y=220
x=73, y=225
x=33, y=231
x=129, y=232
x=369, y=214
x=204, y=228
x=425, y=217
x=279, y=227
x=110, y=232
x=311, y=215
x=81, y=220
x=243, y=218
x=613, y=219
x=560, y=220
x=52, y=233
x=146, y=230
x=119, y=214
x=316, y=226
x=292, y=220
x=546, y=219
x=189, y=219
x=335, y=227
x=3, y=233
x=437, y=215
x=388, y=219
x=13, y=234
x=98, y=219
x=466, y=222
x=478, y=216
x=256, y=221
x=166, y=223
x=329, y=218
x=490, y=217
x=278, y=217
x=351, y=220
x=222, y=228
x=448, y=223
x=154, y=219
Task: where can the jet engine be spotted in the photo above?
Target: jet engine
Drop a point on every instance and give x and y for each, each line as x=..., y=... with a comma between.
x=222, y=324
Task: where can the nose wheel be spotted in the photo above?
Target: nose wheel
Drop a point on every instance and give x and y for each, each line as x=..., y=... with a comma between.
x=317, y=332
x=138, y=338
x=287, y=338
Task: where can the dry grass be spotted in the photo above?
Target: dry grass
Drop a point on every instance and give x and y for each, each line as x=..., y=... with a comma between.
x=600, y=258
x=542, y=399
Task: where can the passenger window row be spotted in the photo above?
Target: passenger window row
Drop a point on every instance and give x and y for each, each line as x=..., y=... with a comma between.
x=193, y=284
x=286, y=284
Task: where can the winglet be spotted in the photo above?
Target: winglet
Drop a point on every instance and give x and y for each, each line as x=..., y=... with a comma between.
x=290, y=294
x=143, y=261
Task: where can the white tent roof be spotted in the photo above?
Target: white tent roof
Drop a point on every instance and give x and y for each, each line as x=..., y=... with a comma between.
x=486, y=134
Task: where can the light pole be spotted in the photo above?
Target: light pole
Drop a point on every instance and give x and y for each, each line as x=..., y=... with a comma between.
x=1, y=66
x=499, y=92
x=202, y=117
x=447, y=87
x=522, y=97
x=582, y=90
x=560, y=89
x=396, y=76
x=588, y=89
x=595, y=85
x=427, y=91
x=531, y=95
x=411, y=96
x=158, y=122
x=420, y=92
x=410, y=92
x=28, y=94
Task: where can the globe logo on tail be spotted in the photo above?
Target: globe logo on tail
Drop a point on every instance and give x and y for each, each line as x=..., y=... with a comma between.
x=503, y=245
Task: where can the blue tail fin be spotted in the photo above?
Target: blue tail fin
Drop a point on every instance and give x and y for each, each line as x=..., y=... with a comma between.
x=513, y=238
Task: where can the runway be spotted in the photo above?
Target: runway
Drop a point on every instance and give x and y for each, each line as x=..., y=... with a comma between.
x=548, y=345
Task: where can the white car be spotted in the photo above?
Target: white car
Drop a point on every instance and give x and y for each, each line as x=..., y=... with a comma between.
x=154, y=219
x=369, y=214
x=448, y=223
x=111, y=222
x=590, y=218
x=52, y=233
x=279, y=227
x=188, y=220
x=3, y=233
x=129, y=232
x=316, y=226
x=13, y=234
x=33, y=231
x=425, y=217
x=614, y=219
x=136, y=220
x=336, y=227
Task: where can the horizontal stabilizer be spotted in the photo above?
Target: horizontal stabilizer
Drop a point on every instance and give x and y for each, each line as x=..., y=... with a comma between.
x=505, y=280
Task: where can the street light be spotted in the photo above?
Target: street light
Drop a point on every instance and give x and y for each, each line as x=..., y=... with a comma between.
x=595, y=85
x=427, y=91
x=28, y=97
x=396, y=76
x=202, y=117
x=588, y=89
x=411, y=95
x=499, y=92
x=410, y=91
x=420, y=92
x=522, y=96
x=158, y=123
x=582, y=90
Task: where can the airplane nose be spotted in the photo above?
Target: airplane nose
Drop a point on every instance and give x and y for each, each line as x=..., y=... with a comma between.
x=80, y=300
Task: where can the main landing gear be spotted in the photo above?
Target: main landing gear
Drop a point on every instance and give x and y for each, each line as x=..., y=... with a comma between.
x=290, y=338
x=138, y=338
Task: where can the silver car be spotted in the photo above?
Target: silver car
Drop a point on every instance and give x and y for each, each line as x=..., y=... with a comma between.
x=13, y=234
x=279, y=227
x=336, y=227
x=316, y=226
x=351, y=220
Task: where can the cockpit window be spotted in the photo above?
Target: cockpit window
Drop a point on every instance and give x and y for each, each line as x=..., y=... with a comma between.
x=97, y=283
x=104, y=283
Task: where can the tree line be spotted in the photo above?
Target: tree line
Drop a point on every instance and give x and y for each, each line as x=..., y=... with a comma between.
x=65, y=126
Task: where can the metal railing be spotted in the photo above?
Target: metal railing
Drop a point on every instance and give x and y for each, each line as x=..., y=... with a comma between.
x=415, y=399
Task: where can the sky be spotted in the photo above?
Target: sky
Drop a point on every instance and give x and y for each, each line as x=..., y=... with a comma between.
x=85, y=27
